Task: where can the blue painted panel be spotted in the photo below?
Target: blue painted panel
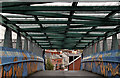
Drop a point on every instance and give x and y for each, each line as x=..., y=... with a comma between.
x=104, y=63
x=14, y=62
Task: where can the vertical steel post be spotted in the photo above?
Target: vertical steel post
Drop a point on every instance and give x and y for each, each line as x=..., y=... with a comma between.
x=19, y=42
x=115, y=44
x=98, y=47
x=90, y=49
x=26, y=44
x=31, y=46
x=8, y=38
x=93, y=48
x=84, y=53
x=105, y=47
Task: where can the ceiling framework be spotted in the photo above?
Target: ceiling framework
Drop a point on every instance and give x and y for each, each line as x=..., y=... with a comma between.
x=69, y=25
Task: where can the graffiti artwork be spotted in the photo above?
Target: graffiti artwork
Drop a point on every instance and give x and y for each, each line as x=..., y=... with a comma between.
x=14, y=63
x=104, y=63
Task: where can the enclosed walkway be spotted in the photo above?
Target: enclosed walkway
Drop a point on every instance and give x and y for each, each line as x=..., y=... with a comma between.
x=86, y=26
x=64, y=74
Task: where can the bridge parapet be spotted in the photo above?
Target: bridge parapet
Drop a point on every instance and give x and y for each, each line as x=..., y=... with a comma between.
x=15, y=62
x=105, y=62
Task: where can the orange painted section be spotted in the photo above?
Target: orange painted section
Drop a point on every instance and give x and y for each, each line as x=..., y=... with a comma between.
x=77, y=65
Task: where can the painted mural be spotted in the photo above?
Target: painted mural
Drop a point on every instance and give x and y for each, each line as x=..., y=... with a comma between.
x=18, y=63
x=104, y=63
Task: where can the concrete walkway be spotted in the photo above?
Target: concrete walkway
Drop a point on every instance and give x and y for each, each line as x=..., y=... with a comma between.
x=64, y=74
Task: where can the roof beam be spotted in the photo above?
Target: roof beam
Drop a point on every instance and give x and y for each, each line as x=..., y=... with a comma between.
x=106, y=18
x=53, y=30
x=65, y=22
x=58, y=15
x=72, y=35
x=110, y=14
x=74, y=4
x=14, y=27
x=36, y=18
x=62, y=8
x=14, y=4
x=108, y=34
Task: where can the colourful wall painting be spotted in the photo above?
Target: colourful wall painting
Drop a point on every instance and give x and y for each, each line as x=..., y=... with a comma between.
x=18, y=63
x=104, y=63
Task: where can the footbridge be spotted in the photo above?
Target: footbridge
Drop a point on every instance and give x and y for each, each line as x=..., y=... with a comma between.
x=60, y=25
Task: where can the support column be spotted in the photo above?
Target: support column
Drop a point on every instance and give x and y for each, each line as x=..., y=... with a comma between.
x=26, y=44
x=90, y=49
x=8, y=38
x=115, y=44
x=98, y=47
x=93, y=48
x=87, y=51
x=84, y=53
x=19, y=42
x=105, y=47
x=31, y=46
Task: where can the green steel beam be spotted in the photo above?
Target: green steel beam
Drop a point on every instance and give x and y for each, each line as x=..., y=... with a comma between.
x=84, y=35
x=100, y=21
x=36, y=18
x=14, y=4
x=64, y=22
x=74, y=40
x=72, y=30
x=110, y=14
x=74, y=4
x=62, y=8
x=106, y=18
x=90, y=30
x=58, y=15
x=71, y=26
x=93, y=28
x=14, y=27
x=49, y=35
x=116, y=31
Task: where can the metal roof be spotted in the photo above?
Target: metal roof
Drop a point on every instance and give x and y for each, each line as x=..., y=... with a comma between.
x=62, y=25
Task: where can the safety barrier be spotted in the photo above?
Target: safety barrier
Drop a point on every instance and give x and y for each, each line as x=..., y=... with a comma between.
x=104, y=63
x=18, y=63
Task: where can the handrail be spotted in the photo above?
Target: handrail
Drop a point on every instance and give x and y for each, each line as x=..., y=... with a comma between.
x=21, y=62
x=100, y=61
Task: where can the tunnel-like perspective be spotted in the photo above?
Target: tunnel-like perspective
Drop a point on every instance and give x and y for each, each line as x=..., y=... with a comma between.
x=60, y=39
